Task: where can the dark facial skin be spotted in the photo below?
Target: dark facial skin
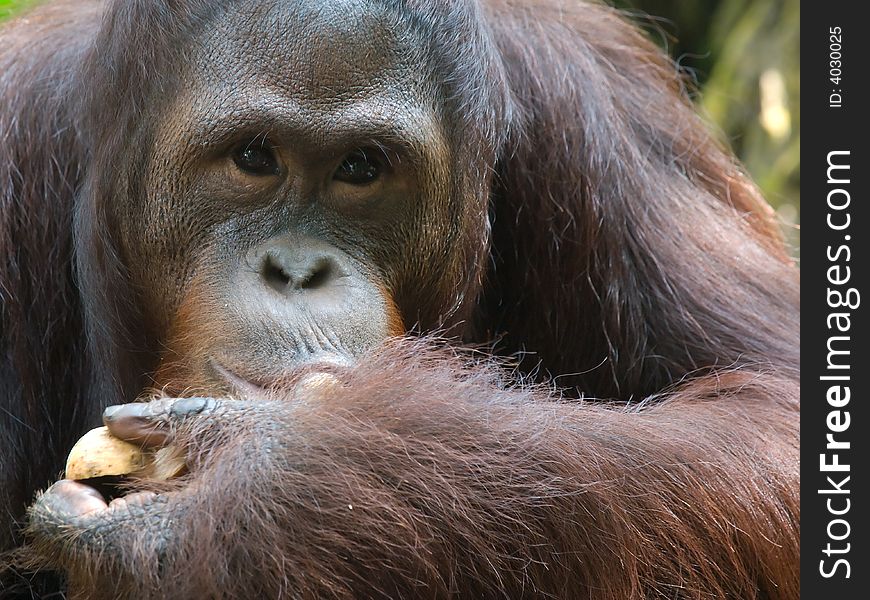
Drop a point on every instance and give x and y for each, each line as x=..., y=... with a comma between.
x=285, y=193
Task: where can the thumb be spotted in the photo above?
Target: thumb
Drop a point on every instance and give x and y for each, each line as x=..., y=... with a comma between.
x=150, y=424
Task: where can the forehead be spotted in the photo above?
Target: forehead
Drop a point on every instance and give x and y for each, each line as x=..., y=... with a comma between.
x=316, y=52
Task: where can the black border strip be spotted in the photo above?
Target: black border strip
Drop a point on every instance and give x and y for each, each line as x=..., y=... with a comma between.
x=834, y=115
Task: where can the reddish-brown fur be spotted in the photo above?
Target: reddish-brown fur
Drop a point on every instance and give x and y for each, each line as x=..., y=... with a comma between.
x=630, y=259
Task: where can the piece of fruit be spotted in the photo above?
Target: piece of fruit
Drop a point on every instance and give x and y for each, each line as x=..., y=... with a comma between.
x=98, y=454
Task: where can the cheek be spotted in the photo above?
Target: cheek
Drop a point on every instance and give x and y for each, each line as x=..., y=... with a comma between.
x=165, y=243
x=395, y=324
x=166, y=225
x=194, y=331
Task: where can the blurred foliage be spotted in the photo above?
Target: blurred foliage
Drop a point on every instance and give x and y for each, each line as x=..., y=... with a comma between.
x=744, y=58
x=9, y=7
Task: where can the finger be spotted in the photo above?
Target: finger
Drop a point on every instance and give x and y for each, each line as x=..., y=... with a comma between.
x=142, y=423
x=149, y=423
x=68, y=499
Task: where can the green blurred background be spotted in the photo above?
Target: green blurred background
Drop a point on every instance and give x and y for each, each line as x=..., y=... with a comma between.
x=744, y=58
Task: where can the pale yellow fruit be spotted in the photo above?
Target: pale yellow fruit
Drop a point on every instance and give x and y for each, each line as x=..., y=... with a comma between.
x=163, y=464
x=98, y=454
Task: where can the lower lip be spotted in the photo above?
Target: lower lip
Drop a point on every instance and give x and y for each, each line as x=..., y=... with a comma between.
x=241, y=385
x=249, y=389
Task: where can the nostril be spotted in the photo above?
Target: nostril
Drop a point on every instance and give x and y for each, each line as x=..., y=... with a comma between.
x=275, y=276
x=318, y=275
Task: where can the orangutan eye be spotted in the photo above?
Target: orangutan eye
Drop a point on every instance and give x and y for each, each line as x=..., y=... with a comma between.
x=256, y=158
x=360, y=167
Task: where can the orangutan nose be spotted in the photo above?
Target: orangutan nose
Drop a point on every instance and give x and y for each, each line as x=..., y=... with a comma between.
x=290, y=268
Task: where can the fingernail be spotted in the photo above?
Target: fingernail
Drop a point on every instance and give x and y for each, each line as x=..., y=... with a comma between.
x=110, y=411
x=189, y=406
x=132, y=410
